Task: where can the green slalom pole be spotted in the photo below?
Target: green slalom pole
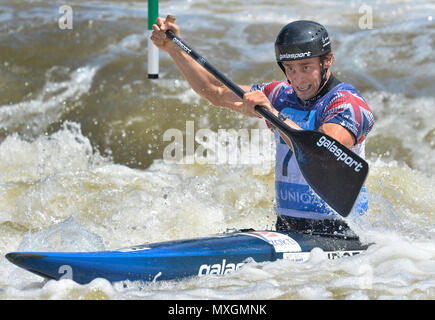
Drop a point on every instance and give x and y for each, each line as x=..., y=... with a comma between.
x=153, y=51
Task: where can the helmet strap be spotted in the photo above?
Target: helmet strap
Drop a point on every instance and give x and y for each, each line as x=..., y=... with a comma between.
x=323, y=74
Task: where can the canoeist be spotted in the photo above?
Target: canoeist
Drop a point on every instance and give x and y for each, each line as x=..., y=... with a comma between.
x=310, y=98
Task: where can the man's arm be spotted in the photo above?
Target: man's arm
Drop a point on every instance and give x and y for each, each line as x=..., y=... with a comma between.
x=201, y=81
x=336, y=131
x=348, y=119
x=208, y=87
x=339, y=133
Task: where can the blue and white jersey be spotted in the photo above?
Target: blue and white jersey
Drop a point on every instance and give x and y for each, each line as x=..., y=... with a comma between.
x=341, y=105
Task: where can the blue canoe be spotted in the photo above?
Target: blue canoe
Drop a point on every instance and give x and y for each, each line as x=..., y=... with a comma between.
x=179, y=259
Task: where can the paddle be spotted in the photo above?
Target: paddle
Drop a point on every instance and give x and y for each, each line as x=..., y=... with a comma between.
x=334, y=172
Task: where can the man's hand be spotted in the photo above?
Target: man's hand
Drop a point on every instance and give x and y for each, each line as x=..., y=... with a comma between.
x=250, y=100
x=159, y=37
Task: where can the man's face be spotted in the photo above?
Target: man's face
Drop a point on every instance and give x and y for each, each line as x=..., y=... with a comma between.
x=304, y=75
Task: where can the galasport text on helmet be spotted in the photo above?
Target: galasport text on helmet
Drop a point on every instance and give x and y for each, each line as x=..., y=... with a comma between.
x=300, y=40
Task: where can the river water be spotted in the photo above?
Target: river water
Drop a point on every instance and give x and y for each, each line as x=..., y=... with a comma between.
x=85, y=139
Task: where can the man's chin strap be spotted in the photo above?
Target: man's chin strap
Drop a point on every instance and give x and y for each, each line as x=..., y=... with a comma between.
x=323, y=75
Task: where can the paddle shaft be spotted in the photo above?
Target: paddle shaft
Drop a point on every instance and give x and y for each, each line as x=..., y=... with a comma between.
x=224, y=80
x=221, y=77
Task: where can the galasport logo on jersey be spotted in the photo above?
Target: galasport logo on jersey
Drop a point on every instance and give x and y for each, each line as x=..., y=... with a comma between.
x=332, y=255
x=294, y=55
x=340, y=154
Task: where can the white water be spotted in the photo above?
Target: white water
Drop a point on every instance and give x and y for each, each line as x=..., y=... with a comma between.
x=87, y=203
x=58, y=192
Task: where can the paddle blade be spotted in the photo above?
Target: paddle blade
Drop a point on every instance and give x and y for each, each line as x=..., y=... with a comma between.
x=334, y=172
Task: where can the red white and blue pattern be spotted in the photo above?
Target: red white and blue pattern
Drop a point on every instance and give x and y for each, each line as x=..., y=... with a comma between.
x=342, y=105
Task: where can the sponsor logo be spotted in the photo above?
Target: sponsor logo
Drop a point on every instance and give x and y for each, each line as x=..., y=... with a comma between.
x=222, y=268
x=340, y=154
x=325, y=41
x=302, y=198
x=181, y=45
x=340, y=254
x=280, y=242
x=331, y=255
x=294, y=55
x=298, y=257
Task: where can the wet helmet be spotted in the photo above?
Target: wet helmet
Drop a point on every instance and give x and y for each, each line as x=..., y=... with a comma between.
x=300, y=40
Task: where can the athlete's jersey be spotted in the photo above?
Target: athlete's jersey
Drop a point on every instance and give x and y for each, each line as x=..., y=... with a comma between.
x=342, y=105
